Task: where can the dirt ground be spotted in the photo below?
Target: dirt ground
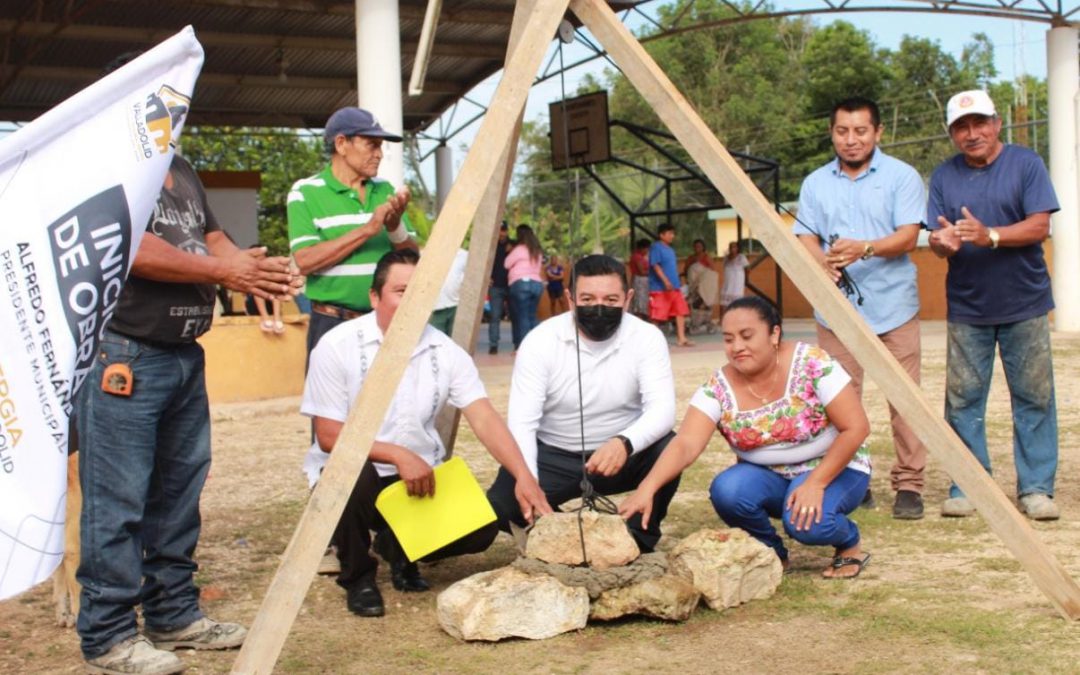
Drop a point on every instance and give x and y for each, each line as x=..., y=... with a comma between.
x=939, y=595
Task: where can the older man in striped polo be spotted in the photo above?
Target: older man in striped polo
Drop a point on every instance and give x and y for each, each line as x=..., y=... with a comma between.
x=343, y=219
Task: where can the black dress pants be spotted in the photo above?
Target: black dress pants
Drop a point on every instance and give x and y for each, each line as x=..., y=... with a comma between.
x=353, y=534
x=560, y=479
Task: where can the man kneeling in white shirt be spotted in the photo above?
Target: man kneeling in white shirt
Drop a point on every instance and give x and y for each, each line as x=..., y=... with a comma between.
x=627, y=390
x=407, y=445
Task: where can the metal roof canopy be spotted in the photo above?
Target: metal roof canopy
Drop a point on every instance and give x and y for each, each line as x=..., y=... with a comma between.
x=290, y=63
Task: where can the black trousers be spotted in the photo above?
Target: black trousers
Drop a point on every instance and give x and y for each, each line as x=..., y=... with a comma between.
x=353, y=534
x=560, y=479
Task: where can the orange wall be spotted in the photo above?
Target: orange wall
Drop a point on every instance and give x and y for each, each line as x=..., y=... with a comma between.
x=932, y=272
x=245, y=364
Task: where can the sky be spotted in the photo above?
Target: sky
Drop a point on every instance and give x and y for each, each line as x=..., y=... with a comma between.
x=1019, y=47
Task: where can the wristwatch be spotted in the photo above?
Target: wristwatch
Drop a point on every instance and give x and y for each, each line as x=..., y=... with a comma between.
x=626, y=444
x=868, y=251
x=995, y=237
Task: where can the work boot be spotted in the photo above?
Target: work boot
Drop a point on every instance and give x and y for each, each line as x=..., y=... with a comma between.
x=957, y=507
x=908, y=505
x=1039, y=507
x=202, y=634
x=135, y=655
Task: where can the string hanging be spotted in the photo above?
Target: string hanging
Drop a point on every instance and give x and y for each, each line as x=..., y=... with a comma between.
x=590, y=499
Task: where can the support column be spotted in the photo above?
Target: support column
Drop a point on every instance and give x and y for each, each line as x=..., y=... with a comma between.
x=1063, y=84
x=444, y=174
x=378, y=76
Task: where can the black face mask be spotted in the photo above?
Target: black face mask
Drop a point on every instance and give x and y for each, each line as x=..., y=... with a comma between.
x=598, y=322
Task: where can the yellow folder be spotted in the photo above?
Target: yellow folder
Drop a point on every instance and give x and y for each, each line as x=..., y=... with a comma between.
x=423, y=525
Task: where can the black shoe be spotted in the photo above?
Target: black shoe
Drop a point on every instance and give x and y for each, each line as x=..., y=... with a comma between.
x=406, y=578
x=908, y=505
x=493, y=349
x=364, y=599
x=868, y=500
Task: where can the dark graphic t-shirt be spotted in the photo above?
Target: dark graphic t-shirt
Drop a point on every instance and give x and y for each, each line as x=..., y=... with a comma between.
x=174, y=313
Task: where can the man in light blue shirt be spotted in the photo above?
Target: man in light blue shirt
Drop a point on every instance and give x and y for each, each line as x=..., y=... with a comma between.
x=861, y=214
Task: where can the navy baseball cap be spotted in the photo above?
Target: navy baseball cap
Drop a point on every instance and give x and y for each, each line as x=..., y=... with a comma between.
x=353, y=121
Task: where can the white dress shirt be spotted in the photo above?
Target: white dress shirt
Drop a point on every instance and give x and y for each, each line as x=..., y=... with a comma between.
x=439, y=372
x=626, y=383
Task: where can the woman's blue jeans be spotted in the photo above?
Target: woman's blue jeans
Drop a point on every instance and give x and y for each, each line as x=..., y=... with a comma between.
x=748, y=495
x=1029, y=371
x=524, y=299
x=143, y=460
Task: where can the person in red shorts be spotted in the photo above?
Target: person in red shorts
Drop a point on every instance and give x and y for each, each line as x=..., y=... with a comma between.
x=666, y=300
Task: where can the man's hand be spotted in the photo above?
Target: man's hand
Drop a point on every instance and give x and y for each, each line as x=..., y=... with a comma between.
x=640, y=501
x=392, y=209
x=945, y=241
x=608, y=459
x=843, y=252
x=251, y=271
x=418, y=477
x=531, y=498
x=969, y=228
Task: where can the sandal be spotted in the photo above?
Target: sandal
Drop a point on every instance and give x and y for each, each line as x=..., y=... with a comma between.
x=839, y=562
x=266, y=326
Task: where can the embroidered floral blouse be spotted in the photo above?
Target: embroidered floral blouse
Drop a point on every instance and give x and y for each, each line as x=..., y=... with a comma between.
x=791, y=434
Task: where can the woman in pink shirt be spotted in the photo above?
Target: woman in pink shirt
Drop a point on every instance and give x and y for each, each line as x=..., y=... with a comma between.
x=523, y=269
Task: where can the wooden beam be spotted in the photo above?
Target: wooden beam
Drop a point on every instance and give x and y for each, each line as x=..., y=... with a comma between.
x=300, y=560
x=485, y=237
x=679, y=116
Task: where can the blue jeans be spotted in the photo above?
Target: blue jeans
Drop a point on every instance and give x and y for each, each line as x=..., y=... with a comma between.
x=143, y=460
x=747, y=495
x=497, y=297
x=1029, y=372
x=524, y=299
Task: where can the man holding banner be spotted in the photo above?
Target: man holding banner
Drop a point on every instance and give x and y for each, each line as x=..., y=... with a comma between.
x=407, y=445
x=143, y=424
x=144, y=435
x=142, y=413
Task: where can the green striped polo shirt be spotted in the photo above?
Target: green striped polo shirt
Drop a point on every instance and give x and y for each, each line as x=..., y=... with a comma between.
x=322, y=208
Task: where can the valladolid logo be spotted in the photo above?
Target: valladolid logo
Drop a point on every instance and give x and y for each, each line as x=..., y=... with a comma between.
x=154, y=121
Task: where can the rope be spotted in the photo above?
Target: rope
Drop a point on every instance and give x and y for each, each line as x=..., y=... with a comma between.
x=590, y=499
x=846, y=283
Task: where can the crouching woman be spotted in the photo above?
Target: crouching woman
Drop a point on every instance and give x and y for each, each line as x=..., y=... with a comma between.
x=797, y=429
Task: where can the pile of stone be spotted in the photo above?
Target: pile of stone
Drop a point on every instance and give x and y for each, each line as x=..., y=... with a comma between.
x=551, y=590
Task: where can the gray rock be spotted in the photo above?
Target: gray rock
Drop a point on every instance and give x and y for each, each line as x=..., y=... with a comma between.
x=556, y=538
x=647, y=566
x=728, y=567
x=668, y=597
x=507, y=602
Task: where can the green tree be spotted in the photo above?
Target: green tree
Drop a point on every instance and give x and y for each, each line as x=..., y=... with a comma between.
x=281, y=156
x=840, y=61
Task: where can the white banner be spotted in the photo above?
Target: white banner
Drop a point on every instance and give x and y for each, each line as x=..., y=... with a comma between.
x=77, y=187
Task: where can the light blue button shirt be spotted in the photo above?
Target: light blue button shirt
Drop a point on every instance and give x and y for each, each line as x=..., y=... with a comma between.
x=887, y=195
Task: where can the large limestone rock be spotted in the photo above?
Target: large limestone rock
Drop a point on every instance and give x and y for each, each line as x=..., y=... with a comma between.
x=556, y=538
x=728, y=567
x=669, y=597
x=508, y=603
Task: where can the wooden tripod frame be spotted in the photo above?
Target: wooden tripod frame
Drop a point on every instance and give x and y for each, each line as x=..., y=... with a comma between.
x=479, y=193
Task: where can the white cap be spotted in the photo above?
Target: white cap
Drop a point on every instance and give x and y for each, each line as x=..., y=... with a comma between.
x=974, y=102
